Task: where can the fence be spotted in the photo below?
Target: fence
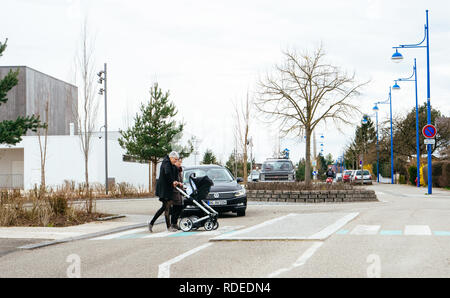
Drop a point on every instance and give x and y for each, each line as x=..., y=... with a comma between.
x=11, y=181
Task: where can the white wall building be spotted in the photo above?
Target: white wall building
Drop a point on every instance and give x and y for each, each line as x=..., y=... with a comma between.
x=20, y=165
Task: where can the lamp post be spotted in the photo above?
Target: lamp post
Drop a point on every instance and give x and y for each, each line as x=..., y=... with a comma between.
x=397, y=57
x=397, y=87
x=102, y=79
x=389, y=101
x=375, y=108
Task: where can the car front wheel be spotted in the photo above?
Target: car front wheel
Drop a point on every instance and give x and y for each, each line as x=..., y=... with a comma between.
x=240, y=213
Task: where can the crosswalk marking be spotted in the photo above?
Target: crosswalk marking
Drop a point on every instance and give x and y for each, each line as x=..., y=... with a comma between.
x=142, y=233
x=391, y=232
x=408, y=230
x=417, y=230
x=116, y=235
x=365, y=230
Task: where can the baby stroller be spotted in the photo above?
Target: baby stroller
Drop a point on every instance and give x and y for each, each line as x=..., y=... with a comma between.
x=200, y=190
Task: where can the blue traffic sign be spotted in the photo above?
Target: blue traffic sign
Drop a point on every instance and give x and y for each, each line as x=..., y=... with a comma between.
x=429, y=131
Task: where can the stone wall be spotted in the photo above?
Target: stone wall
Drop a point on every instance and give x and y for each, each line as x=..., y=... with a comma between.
x=312, y=196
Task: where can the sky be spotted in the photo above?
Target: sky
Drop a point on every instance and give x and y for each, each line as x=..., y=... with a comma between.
x=209, y=54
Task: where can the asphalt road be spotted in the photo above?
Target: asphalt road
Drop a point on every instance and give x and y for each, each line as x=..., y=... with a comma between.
x=406, y=234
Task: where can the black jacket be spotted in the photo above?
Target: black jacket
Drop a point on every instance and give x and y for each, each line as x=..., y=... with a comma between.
x=168, y=173
x=330, y=173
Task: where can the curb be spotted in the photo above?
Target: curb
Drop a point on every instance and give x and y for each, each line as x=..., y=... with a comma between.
x=82, y=237
x=86, y=236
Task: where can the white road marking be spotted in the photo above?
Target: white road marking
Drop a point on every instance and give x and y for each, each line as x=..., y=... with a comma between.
x=301, y=261
x=417, y=230
x=117, y=235
x=164, y=268
x=365, y=230
x=159, y=235
x=219, y=231
x=331, y=229
x=263, y=224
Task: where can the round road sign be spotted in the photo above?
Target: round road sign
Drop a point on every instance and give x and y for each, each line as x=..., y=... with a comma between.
x=429, y=131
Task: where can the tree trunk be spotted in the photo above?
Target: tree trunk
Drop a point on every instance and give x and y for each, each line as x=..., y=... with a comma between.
x=308, y=157
x=154, y=164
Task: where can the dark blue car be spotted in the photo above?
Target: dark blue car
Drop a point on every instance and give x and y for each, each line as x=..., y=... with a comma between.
x=225, y=195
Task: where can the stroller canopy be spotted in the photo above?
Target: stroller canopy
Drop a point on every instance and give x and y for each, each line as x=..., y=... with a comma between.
x=201, y=186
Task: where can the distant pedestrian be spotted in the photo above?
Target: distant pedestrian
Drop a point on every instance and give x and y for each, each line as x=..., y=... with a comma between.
x=330, y=173
x=168, y=179
x=177, y=202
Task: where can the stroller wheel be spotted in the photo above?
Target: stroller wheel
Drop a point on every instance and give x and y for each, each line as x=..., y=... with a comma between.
x=193, y=218
x=216, y=225
x=186, y=224
x=209, y=225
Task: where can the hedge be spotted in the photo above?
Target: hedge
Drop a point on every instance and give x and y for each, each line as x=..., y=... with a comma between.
x=441, y=174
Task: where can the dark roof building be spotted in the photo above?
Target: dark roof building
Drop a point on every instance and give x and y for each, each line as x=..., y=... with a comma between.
x=28, y=97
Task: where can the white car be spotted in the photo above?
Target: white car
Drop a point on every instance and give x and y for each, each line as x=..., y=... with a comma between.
x=357, y=176
x=253, y=176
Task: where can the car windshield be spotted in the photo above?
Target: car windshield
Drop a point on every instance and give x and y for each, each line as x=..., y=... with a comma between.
x=277, y=165
x=348, y=173
x=365, y=173
x=215, y=174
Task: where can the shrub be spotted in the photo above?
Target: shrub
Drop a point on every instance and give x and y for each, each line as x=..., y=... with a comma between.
x=402, y=179
x=412, y=174
x=440, y=174
x=297, y=186
x=444, y=179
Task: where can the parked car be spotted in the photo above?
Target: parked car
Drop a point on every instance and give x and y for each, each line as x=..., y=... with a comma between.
x=347, y=176
x=225, y=195
x=254, y=176
x=277, y=169
x=364, y=175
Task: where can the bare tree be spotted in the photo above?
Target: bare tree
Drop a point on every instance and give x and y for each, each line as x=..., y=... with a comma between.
x=303, y=92
x=86, y=116
x=43, y=149
x=242, y=123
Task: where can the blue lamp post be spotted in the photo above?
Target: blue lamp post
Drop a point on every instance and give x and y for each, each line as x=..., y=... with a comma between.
x=397, y=57
x=375, y=108
x=389, y=101
x=417, y=116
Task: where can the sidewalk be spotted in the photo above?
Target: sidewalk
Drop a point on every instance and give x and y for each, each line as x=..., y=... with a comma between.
x=404, y=190
x=57, y=233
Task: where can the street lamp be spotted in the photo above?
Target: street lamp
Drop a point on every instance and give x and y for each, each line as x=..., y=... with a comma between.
x=102, y=80
x=426, y=39
x=417, y=116
x=389, y=101
x=376, y=109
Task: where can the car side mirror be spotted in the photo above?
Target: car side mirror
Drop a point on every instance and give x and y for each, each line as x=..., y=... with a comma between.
x=239, y=180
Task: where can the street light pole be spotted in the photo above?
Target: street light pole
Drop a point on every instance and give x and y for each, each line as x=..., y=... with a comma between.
x=103, y=77
x=375, y=108
x=396, y=86
x=398, y=57
x=392, y=141
x=389, y=101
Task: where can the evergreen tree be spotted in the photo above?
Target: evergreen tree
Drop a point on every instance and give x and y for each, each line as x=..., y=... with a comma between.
x=151, y=138
x=11, y=131
x=209, y=158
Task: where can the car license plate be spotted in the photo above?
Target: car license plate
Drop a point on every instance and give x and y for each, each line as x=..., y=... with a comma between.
x=217, y=202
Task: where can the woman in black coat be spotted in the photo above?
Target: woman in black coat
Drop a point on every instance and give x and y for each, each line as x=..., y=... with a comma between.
x=177, y=202
x=168, y=179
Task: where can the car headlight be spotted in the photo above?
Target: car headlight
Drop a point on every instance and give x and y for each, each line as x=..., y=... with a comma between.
x=240, y=193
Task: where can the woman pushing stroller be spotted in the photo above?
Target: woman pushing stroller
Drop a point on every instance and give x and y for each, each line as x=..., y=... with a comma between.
x=168, y=179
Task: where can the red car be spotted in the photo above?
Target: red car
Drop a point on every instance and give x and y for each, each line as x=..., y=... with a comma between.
x=346, y=176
